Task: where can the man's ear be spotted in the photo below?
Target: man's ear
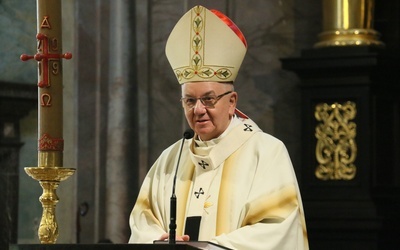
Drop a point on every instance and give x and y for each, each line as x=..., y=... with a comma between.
x=233, y=101
x=234, y=98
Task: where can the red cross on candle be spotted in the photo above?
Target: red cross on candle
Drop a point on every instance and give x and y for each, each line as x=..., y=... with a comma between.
x=44, y=58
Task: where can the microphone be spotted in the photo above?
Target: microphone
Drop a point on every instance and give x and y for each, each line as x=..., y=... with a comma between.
x=189, y=133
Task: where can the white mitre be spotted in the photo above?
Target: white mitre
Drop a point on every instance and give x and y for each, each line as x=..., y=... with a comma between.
x=205, y=45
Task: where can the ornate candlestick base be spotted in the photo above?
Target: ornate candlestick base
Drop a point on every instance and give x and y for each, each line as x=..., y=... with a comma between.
x=49, y=179
x=348, y=23
x=367, y=37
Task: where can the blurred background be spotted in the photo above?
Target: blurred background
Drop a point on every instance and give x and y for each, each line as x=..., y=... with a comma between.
x=121, y=109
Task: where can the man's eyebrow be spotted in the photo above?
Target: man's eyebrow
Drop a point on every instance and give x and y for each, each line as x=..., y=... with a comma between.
x=209, y=92
x=205, y=94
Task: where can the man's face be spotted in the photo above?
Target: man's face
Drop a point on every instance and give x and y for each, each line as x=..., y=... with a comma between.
x=209, y=122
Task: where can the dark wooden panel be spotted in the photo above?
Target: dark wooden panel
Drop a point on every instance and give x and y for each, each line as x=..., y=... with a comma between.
x=360, y=213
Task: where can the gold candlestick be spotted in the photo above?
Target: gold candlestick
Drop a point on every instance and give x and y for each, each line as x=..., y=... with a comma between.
x=348, y=23
x=50, y=171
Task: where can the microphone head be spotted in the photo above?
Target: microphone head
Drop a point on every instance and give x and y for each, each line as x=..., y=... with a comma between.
x=189, y=133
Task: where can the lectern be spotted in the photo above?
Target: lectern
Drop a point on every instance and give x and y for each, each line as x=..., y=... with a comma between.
x=100, y=247
x=178, y=246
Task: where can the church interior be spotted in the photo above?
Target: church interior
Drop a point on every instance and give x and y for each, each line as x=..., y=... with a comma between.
x=320, y=75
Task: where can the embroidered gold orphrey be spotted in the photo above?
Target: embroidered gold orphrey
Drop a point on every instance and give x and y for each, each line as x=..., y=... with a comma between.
x=336, y=148
x=197, y=67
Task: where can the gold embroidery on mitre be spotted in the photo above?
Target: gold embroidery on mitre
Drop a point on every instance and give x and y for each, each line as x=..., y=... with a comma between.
x=197, y=67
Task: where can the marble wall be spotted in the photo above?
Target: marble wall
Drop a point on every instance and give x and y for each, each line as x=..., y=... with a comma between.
x=17, y=31
x=269, y=95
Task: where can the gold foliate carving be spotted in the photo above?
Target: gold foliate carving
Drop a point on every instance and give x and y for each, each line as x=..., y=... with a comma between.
x=48, y=229
x=336, y=148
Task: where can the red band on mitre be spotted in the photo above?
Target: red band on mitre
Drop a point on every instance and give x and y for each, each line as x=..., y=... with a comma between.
x=232, y=25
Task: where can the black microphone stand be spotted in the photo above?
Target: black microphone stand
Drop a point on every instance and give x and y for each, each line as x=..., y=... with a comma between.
x=172, y=225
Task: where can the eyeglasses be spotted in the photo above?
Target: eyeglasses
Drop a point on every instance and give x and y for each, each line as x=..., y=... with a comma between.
x=208, y=101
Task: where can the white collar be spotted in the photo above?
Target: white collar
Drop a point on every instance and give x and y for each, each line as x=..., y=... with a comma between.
x=233, y=123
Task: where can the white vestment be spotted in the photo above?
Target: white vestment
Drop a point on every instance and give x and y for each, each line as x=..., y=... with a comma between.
x=242, y=185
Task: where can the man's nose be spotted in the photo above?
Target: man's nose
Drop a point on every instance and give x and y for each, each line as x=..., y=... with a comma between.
x=199, y=107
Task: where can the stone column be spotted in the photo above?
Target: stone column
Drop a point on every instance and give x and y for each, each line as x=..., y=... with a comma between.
x=122, y=132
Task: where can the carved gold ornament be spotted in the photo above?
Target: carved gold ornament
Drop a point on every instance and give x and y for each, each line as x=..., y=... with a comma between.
x=336, y=148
